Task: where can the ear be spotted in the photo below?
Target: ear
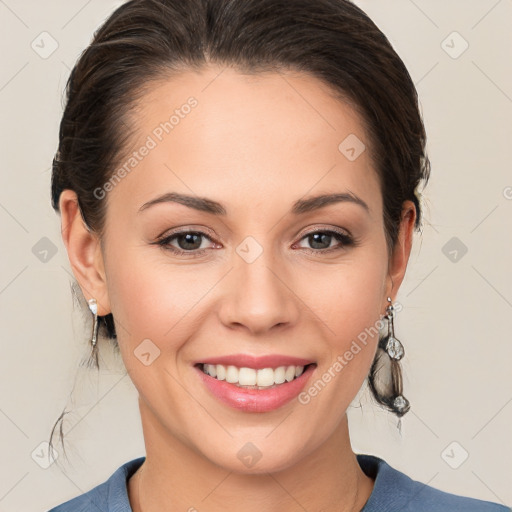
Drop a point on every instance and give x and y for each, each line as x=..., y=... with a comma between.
x=84, y=252
x=402, y=250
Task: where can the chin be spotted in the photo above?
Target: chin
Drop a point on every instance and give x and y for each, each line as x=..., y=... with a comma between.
x=259, y=456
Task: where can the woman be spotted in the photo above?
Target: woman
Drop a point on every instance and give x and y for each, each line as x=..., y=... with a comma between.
x=238, y=185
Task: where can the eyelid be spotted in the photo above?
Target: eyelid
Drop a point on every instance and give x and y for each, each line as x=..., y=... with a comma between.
x=345, y=240
x=186, y=229
x=210, y=236
x=316, y=228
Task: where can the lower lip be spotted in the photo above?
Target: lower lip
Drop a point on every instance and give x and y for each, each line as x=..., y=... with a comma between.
x=256, y=400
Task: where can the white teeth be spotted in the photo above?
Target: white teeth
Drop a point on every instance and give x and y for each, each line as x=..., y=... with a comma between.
x=247, y=377
x=262, y=378
x=232, y=374
x=219, y=370
x=279, y=375
x=211, y=370
x=289, y=374
x=265, y=377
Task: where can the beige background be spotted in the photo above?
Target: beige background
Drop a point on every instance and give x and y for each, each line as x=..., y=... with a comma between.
x=455, y=322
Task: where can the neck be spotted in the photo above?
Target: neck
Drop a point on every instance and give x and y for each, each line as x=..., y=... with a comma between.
x=175, y=477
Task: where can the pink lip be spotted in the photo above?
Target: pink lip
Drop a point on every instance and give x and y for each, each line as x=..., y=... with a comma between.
x=256, y=362
x=255, y=400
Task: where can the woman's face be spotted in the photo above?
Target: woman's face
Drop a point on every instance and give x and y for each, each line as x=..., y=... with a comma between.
x=263, y=280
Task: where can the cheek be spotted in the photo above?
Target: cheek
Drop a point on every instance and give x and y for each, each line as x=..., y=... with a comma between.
x=351, y=307
x=350, y=298
x=156, y=300
x=146, y=298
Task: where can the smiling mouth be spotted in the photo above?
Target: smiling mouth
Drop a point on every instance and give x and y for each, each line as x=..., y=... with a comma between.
x=251, y=378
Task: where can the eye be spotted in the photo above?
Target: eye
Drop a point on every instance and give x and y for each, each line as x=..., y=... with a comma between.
x=321, y=240
x=189, y=242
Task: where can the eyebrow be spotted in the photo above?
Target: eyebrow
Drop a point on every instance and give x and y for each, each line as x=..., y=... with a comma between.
x=300, y=206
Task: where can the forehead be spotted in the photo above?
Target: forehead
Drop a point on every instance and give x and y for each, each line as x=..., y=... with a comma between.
x=236, y=138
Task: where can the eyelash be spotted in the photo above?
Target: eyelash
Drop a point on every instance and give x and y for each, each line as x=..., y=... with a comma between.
x=344, y=239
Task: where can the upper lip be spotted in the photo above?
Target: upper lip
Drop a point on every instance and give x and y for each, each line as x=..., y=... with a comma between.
x=256, y=362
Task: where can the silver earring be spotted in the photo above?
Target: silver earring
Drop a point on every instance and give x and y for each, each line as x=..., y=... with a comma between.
x=389, y=393
x=92, y=361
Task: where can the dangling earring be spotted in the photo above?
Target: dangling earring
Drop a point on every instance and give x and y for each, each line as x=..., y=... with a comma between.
x=92, y=361
x=390, y=351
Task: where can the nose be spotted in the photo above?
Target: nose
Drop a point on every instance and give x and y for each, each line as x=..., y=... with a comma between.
x=258, y=295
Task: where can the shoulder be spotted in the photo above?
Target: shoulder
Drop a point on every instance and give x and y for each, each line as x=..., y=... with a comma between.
x=396, y=492
x=110, y=496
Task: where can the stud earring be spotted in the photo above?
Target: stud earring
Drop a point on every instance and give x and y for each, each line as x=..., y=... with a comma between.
x=92, y=361
x=390, y=351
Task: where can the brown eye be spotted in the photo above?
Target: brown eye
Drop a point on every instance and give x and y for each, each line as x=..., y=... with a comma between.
x=188, y=242
x=320, y=241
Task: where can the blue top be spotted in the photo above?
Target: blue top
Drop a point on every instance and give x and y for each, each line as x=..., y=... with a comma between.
x=393, y=491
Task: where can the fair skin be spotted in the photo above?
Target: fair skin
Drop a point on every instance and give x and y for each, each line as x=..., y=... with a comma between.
x=256, y=145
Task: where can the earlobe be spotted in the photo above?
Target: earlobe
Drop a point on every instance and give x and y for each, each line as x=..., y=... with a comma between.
x=84, y=252
x=402, y=250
